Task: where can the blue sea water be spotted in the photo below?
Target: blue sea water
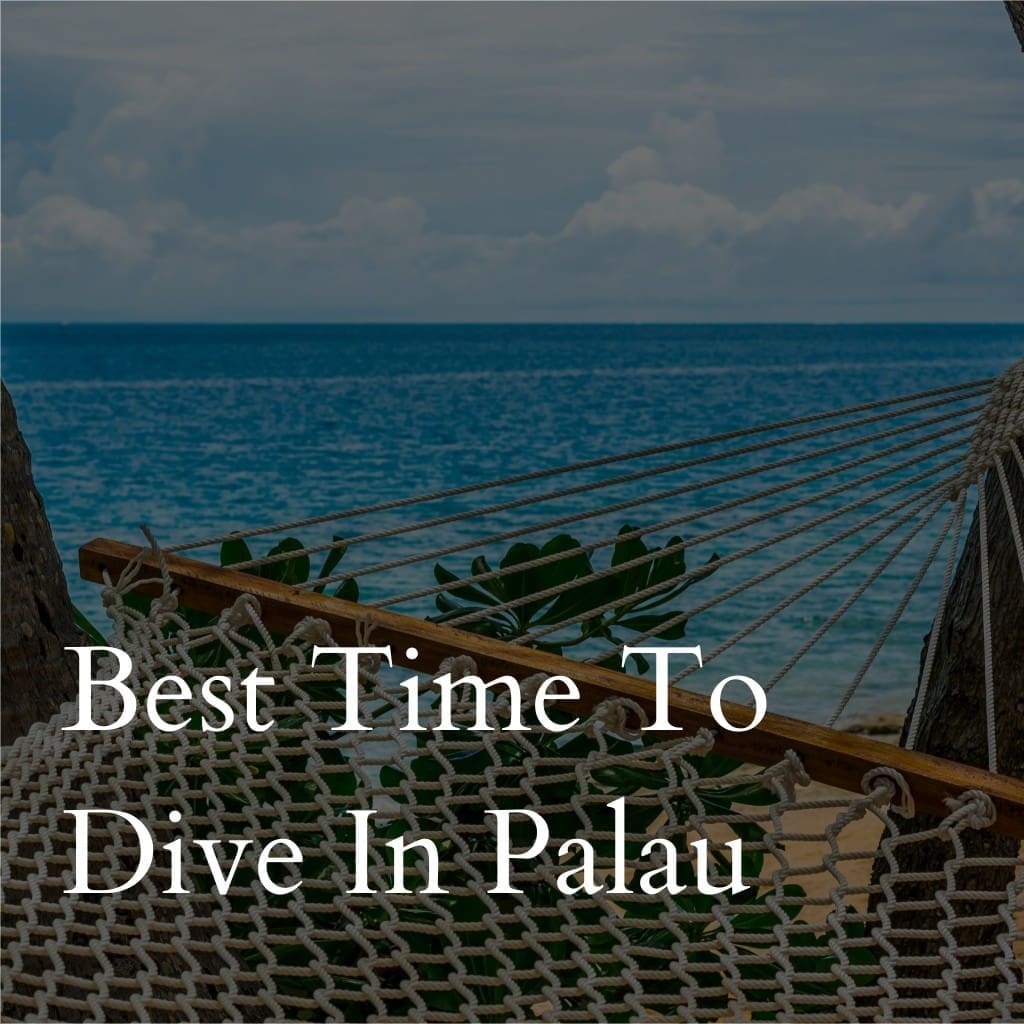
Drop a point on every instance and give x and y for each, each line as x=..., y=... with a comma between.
x=201, y=429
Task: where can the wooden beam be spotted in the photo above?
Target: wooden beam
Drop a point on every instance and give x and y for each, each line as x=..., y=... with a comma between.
x=831, y=757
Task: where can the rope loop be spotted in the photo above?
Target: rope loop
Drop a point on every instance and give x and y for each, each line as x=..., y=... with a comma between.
x=701, y=743
x=972, y=808
x=788, y=773
x=615, y=715
x=167, y=603
x=364, y=631
x=530, y=685
x=459, y=666
x=889, y=784
x=313, y=629
x=243, y=612
x=158, y=554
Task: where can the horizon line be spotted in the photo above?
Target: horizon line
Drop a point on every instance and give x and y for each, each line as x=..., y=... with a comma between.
x=508, y=323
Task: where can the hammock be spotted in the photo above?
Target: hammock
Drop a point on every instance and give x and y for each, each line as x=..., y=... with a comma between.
x=881, y=882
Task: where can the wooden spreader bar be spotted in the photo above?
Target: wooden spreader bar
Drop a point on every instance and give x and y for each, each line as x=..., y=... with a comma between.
x=830, y=756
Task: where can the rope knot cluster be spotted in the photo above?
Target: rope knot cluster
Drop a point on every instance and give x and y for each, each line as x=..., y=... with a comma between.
x=530, y=685
x=460, y=666
x=999, y=424
x=789, y=773
x=701, y=743
x=891, y=784
x=165, y=605
x=617, y=715
x=244, y=612
x=315, y=630
x=973, y=808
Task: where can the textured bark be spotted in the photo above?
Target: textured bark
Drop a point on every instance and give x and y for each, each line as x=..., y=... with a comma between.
x=35, y=614
x=1015, y=9
x=953, y=720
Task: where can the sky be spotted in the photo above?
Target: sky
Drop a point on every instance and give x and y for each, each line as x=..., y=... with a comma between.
x=472, y=162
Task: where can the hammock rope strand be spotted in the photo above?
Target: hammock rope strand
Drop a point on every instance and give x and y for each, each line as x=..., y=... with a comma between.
x=959, y=392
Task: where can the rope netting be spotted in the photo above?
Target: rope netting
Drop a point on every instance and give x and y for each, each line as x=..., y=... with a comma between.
x=811, y=938
x=838, y=921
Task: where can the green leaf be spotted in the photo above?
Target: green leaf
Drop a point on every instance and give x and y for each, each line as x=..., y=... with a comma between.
x=292, y=570
x=626, y=778
x=669, y=566
x=638, y=662
x=495, y=587
x=753, y=795
x=83, y=623
x=138, y=602
x=334, y=556
x=470, y=593
x=234, y=551
x=630, y=580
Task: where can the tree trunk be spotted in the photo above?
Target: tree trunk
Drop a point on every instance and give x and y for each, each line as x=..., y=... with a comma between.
x=35, y=615
x=953, y=717
x=1015, y=9
x=953, y=726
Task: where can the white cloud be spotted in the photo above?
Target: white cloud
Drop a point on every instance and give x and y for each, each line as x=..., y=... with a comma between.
x=692, y=147
x=395, y=219
x=999, y=208
x=685, y=212
x=696, y=217
x=641, y=163
x=62, y=226
x=818, y=206
x=645, y=249
x=680, y=149
x=501, y=161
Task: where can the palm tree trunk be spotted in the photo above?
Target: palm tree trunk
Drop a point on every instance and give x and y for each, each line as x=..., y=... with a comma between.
x=1015, y=9
x=953, y=726
x=35, y=615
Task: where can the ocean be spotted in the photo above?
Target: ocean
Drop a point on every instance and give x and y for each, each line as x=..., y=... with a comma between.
x=200, y=429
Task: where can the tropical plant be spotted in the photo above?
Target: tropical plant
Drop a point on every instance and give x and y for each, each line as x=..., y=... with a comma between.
x=621, y=589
